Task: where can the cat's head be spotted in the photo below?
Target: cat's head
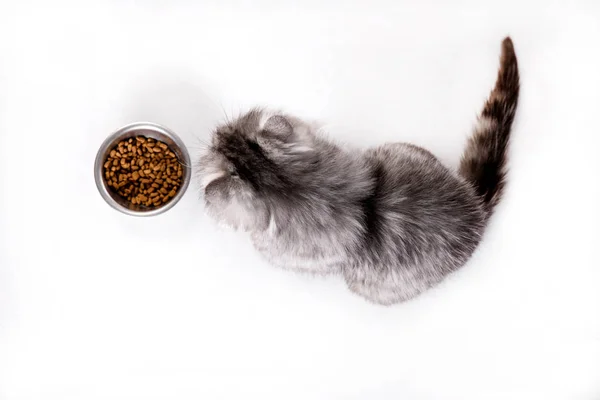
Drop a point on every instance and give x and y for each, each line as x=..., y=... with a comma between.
x=251, y=162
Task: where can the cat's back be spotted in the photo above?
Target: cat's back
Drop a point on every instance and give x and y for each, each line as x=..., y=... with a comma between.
x=419, y=207
x=415, y=174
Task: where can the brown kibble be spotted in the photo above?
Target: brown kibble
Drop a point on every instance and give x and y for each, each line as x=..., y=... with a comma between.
x=143, y=171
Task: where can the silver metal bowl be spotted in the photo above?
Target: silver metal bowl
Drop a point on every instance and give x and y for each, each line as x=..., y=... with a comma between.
x=150, y=130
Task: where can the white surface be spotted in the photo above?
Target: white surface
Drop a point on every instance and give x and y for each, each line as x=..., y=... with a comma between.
x=98, y=305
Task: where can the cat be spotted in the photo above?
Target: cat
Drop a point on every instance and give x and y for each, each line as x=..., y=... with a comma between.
x=392, y=220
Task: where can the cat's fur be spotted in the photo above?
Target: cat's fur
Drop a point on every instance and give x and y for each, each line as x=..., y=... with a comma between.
x=392, y=220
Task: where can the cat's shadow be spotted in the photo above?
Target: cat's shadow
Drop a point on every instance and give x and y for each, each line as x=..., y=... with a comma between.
x=179, y=101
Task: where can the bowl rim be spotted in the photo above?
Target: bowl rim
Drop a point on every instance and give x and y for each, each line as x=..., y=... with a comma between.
x=112, y=139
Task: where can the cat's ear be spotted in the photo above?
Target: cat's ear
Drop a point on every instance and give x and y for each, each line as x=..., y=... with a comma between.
x=279, y=126
x=285, y=135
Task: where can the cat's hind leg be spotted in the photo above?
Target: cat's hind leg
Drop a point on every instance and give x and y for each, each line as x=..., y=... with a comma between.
x=375, y=293
x=382, y=288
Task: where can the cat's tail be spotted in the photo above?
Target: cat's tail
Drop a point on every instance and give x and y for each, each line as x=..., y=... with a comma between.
x=483, y=163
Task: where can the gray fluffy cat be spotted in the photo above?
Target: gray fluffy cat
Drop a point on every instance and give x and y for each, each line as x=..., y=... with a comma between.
x=392, y=220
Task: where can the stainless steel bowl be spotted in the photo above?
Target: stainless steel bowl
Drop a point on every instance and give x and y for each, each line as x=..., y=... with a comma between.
x=150, y=130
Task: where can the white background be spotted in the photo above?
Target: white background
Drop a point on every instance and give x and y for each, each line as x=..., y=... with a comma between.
x=99, y=305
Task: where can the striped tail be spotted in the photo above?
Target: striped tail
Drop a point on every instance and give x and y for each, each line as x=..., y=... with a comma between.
x=483, y=163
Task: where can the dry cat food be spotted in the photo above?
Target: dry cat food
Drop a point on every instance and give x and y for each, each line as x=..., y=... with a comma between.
x=144, y=171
